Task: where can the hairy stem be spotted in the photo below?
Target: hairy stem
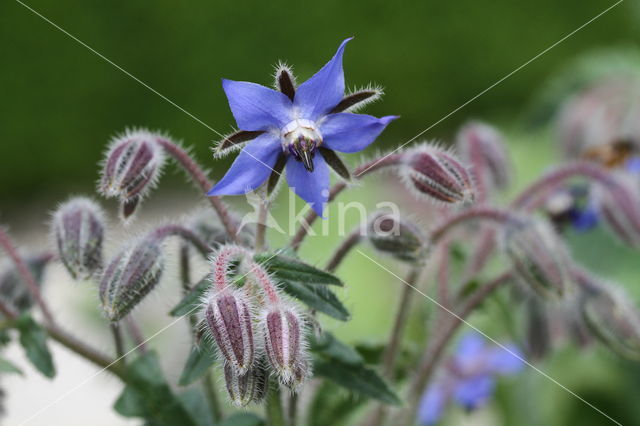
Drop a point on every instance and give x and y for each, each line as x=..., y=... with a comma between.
x=186, y=234
x=200, y=178
x=261, y=226
x=338, y=256
x=136, y=334
x=118, y=342
x=7, y=243
x=436, y=347
x=274, y=411
x=484, y=213
x=363, y=170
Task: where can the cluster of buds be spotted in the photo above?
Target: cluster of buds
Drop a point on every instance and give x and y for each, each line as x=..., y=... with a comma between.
x=610, y=315
x=482, y=146
x=433, y=173
x=131, y=167
x=538, y=256
x=130, y=276
x=257, y=332
x=78, y=233
x=396, y=237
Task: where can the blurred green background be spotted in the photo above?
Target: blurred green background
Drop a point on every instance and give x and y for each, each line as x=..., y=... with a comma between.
x=61, y=103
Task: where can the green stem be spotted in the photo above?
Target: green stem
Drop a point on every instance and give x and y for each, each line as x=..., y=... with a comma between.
x=261, y=226
x=352, y=239
x=118, y=343
x=275, y=413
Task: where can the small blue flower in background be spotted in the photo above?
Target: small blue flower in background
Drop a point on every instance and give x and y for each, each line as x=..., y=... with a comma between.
x=297, y=127
x=468, y=377
x=585, y=218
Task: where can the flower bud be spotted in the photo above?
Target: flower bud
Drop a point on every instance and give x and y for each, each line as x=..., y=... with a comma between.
x=483, y=147
x=248, y=387
x=13, y=290
x=300, y=373
x=284, y=342
x=400, y=239
x=130, y=276
x=78, y=230
x=538, y=257
x=131, y=168
x=612, y=318
x=228, y=319
x=437, y=175
x=620, y=208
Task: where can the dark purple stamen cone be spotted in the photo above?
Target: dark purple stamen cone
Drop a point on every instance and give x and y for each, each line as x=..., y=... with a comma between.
x=437, y=175
x=131, y=168
x=246, y=388
x=283, y=342
x=483, y=147
x=538, y=257
x=398, y=238
x=130, y=276
x=620, y=208
x=78, y=231
x=228, y=319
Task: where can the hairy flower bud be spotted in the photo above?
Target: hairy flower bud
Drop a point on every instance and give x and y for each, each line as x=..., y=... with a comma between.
x=78, y=231
x=130, y=276
x=131, y=168
x=538, y=257
x=284, y=342
x=248, y=387
x=398, y=238
x=483, y=147
x=437, y=175
x=612, y=318
x=228, y=318
x=619, y=204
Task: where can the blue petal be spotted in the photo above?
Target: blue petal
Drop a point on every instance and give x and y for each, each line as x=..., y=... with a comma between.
x=251, y=168
x=347, y=132
x=474, y=392
x=256, y=107
x=585, y=219
x=471, y=349
x=313, y=187
x=318, y=95
x=505, y=361
x=432, y=404
x=633, y=165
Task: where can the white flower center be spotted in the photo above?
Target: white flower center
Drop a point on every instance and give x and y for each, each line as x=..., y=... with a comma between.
x=301, y=138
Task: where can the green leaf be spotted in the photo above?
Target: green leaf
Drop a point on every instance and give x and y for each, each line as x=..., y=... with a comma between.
x=200, y=359
x=357, y=378
x=243, y=419
x=291, y=269
x=316, y=297
x=147, y=395
x=7, y=366
x=332, y=407
x=33, y=339
x=196, y=404
x=189, y=304
x=328, y=346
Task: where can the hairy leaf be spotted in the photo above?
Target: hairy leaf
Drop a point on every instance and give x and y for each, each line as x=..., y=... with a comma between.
x=317, y=297
x=200, y=359
x=291, y=269
x=189, y=304
x=33, y=339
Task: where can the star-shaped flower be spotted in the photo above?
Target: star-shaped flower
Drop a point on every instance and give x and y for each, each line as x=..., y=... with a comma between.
x=297, y=127
x=468, y=377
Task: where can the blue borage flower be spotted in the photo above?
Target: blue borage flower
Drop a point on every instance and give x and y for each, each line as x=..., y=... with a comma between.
x=468, y=377
x=297, y=127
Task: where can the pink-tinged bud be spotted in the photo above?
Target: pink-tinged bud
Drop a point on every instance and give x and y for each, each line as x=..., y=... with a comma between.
x=619, y=204
x=611, y=316
x=301, y=372
x=228, y=319
x=78, y=232
x=132, y=166
x=538, y=256
x=248, y=387
x=483, y=147
x=431, y=172
x=399, y=238
x=284, y=342
x=130, y=276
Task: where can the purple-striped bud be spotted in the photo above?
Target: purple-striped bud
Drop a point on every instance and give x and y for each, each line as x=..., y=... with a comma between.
x=431, y=172
x=131, y=167
x=228, y=318
x=619, y=204
x=129, y=277
x=248, y=387
x=78, y=232
x=538, y=256
x=612, y=318
x=284, y=342
x=401, y=239
x=483, y=147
